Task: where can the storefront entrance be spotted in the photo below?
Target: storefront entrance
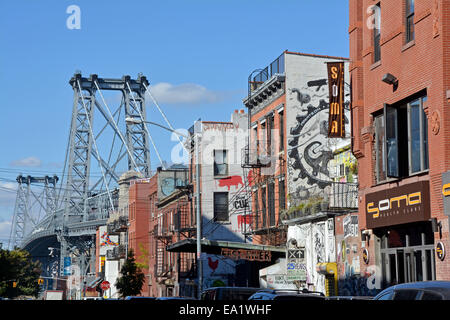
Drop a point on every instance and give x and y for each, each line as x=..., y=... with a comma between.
x=407, y=253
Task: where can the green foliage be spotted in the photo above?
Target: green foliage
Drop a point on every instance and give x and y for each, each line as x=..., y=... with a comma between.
x=132, y=278
x=17, y=268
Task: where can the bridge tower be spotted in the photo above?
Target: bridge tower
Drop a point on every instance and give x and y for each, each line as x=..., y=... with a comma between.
x=25, y=217
x=92, y=121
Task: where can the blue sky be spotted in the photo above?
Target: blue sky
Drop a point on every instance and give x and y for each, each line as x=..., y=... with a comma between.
x=196, y=54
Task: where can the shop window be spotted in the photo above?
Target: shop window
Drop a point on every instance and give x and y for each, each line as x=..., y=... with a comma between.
x=221, y=206
x=409, y=20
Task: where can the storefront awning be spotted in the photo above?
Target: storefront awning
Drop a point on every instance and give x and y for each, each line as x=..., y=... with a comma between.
x=218, y=246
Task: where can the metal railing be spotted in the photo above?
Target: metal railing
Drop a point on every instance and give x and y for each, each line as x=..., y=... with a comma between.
x=276, y=67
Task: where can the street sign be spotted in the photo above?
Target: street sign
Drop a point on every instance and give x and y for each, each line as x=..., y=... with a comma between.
x=104, y=285
x=295, y=264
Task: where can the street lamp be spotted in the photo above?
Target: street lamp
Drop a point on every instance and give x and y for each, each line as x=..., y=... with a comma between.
x=130, y=120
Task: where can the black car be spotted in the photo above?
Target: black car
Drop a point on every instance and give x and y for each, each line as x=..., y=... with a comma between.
x=228, y=293
x=423, y=290
x=304, y=294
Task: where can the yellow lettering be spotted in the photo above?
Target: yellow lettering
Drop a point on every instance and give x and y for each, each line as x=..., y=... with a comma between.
x=398, y=200
x=334, y=127
x=446, y=189
x=334, y=73
x=375, y=212
x=418, y=200
x=334, y=108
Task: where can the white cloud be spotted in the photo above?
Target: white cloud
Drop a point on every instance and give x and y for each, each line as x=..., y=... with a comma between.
x=185, y=93
x=27, y=162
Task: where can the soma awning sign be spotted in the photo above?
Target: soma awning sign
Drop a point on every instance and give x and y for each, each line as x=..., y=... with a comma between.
x=404, y=204
x=336, y=124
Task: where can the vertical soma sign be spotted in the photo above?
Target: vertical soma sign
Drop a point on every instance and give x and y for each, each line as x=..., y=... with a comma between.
x=336, y=124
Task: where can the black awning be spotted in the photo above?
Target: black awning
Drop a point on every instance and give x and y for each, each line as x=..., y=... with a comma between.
x=216, y=246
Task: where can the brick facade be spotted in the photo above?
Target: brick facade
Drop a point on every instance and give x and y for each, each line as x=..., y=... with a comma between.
x=421, y=65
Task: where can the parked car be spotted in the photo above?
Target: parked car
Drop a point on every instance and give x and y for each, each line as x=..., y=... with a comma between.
x=349, y=298
x=423, y=290
x=139, y=298
x=270, y=294
x=93, y=298
x=228, y=293
x=176, y=298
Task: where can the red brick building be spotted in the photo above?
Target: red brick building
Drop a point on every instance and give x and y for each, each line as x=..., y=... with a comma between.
x=400, y=64
x=171, y=220
x=138, y=219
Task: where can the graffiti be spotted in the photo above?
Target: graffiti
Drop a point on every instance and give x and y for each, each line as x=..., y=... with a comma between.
x=355, y=286
x=213, y=264
x=319, y=243
x=231, y=181
x=107, y=241
x=350, y=225
x=241, y=202
x=243, y=219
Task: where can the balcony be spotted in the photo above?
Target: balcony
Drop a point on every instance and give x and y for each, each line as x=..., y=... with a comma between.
x=337, y=198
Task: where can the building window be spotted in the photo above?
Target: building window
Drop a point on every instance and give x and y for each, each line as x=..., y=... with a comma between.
x=271, y=203
x=221, y=206
x=409, y=22
x=282, y=194
x=270, y=127
x=263, y=207
x=281, y=122
x=220, y=163
x=403, y=148
x=377, y=33
x=380, y=148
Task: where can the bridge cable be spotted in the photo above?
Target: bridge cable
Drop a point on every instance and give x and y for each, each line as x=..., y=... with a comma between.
x=164, y=116
x=146, y=128
x=116, y=127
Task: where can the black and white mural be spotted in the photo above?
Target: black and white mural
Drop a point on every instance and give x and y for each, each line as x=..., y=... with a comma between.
x=309, y=149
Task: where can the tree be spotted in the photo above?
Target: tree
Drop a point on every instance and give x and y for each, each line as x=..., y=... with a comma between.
x=132, y=278
x=18, y=274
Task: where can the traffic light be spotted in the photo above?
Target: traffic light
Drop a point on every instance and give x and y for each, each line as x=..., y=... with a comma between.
x=14, y=284
x=40, y=281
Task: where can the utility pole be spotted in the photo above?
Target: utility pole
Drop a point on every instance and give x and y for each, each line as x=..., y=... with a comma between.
x=198, y=214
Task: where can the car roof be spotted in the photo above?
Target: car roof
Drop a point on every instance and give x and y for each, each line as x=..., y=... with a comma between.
x=422, y=285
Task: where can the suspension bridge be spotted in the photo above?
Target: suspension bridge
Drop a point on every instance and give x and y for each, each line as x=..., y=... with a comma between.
x=73, y=205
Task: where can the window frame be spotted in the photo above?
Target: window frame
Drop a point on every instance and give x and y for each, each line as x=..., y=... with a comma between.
x=225, y=162
x=393, y=120
x=376, y=33
x=409, y=21
x=217, y=213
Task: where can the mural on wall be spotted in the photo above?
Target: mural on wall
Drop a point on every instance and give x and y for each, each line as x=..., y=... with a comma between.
x=106, y=240
x=318, y=240
x=309, y=148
